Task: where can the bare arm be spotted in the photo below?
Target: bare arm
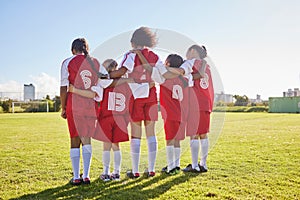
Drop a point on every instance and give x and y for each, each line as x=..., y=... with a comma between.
x=63, y=100
x=84, y=93
x=118, y=73
x=177, y=71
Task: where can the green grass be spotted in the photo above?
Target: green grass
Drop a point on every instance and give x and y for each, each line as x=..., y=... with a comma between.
x=256, y=157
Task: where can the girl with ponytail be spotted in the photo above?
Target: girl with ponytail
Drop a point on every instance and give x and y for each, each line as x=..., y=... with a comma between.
x=201, y=96
x=82, y=71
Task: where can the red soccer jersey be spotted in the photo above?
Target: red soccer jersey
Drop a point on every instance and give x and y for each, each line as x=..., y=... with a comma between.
x=115, y=101
x=136, y=71
x=82, y=76
x=203, y=90
x=174, y=100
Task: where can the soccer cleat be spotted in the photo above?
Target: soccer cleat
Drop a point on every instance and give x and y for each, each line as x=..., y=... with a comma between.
x=177, y=170
x=115, y=177
x=105, y=177
x=75, y=181
x=151, y=174
x=171, y=172
x=132, y=175
x=86, y=181
x=148, y=174
x=189, y=168
x=164, y=169
x=202, y=168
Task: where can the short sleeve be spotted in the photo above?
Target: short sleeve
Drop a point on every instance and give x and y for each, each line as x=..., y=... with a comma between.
x=104, y=83
x=187, y=66
x=99, y=91
x=64, y=73
x=99, y=88
x=128, y=61
x=156, y=76
x=102, y=70
x=161, y=68
x=139, y=90
x=190, y=80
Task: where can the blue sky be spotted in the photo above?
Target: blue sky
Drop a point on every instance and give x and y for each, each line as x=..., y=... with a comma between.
x=253, y=43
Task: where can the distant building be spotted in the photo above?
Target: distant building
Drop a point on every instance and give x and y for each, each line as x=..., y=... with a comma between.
x=257, y=100
x=226, y=98
x=29, y=92
x=292, y=93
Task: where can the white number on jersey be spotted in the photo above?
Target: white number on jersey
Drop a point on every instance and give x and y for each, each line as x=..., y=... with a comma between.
x=204, y=82
x=85, y=76
x=116, y=101
x=177, y=92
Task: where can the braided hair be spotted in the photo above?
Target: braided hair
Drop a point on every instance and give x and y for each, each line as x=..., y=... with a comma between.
x=80, y=45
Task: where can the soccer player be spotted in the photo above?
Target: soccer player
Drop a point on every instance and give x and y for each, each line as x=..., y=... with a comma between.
x=202, y=92
x=173, y=101
x=81, y=71
x=145, y=109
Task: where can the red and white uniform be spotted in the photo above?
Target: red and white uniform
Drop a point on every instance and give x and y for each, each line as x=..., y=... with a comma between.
x=143, y=108
x=114, y=109
x=201, y=97
x=114, y=114
x=174, y=107
x=80, y=111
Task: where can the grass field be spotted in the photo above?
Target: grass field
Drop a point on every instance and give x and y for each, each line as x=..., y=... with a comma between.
x=257, y=156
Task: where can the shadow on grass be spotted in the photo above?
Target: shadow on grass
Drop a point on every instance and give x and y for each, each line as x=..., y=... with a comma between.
x=141, y=188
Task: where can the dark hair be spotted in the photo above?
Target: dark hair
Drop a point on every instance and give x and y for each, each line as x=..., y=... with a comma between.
x=80, y=45
x=174, y=60
x=143, y=36
x=201, y=50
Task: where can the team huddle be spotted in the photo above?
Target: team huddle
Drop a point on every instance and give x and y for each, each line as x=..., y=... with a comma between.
x=99, y=101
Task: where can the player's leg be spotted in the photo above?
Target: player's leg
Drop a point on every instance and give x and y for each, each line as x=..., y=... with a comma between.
x=106, y=125
x=171, y=128
x=135, y=146
x=137, y=116
x=150, y=116
x=177, y=152
x=120, y=134
x=86, y=157
x=75, y=159
x=204, y=151
x=75, y=150
x=170, y=155
x=203, y=130
x=194, y=146
x=106, y=160
x=192, y=127
x=152, y=146
x=117, y=162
